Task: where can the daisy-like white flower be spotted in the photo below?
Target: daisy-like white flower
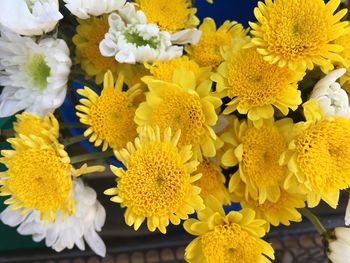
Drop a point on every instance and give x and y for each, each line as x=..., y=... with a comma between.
x=83, y=9
x=131, y=39
x=34, y=75
x=29, y=17
x=64, y=232
x=339, y=248
x=331, y=97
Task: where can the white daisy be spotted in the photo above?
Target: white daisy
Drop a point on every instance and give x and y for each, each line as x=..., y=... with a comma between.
x=34, y=75
x=339, y=247
x=65, y=233
x=131, y=39
x=331, y=97
x=83, y=9
x=29, y=17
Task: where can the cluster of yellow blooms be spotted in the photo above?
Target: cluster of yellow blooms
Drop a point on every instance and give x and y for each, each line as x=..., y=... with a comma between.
x=176, y=125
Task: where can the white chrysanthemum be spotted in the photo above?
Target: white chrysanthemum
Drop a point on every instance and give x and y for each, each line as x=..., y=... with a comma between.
x=73, y=230
x=130, y=39
x=34, y=75
x=83, y=9
x=29, y=17
x=331, y=97
x=339, y=248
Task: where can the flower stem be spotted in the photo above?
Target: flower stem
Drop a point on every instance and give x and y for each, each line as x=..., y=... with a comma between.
x=73, y=140
x=67, y=125
x=7, y=133
x=91, y=156
x=314, y=220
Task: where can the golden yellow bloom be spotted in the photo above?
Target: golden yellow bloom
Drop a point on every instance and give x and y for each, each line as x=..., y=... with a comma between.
x=315, y=158
x=90, y=32
x=182, y=105
x=254, y=85
x=110, y=116
x=212, y=182
x=298, y=33
x=344, y=41
x=170, y=16
x=235, y=237
x=158, y=183
x=257, y=152
x=39, y=176
x=164, y=70
x=208, y=50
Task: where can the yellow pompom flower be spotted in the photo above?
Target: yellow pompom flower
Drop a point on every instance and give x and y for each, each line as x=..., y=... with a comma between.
x=110, y=116
x=90, y=32
x=235, y=237
x=158, y=183
x=208, y=50
x=316, y=159
x=344, y=41
x=254, y=85
x=182, y=105
x=212, y=182
x=164, y=70
x=299, y=33
x=170, y=16
x=257, y=152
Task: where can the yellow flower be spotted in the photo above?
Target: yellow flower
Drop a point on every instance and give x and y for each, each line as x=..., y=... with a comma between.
x=208, y=50
x=110, y=115
x=212, y=182
x=90, y=32
x=315, y=158
x=158, y=184
x=235, y=237
x=170, y=16
x=257, y=151
x=254, y=85
x=182, y=105
x=299, y=33
x=39, y=176
x=164, y=70
x=344, y=41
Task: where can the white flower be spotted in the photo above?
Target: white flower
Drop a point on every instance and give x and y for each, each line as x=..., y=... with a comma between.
x=29, y=17
x=339, y=248
x=84, y=8
x=130, y=39
x=34, y=75
x=331, y=97
x=73, y=230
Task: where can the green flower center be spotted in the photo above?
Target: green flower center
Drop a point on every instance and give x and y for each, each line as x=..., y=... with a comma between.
x=134, y=37
x=37, y=70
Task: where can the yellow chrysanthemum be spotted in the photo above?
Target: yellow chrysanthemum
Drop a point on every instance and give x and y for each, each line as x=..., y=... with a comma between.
x=39, y=176
x=254, y=85
x=164, y=70
x=29, y=124
x=299, y=33
x=344, y=41
x=170, y=16
x=315, y=158
x=235, y=237
x=110, y=116
x=258, y=152
x=90, y=32
x=208, y=50
x=182, y=105
x=158, y=184
x=212, y=182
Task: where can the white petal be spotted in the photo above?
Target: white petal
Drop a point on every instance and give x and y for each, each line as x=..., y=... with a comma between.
x=95, y=242
x=186, y=36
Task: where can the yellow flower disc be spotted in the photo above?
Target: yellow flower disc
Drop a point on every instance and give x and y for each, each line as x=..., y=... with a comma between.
x=299, y=33
x=158, y=182
x=207, y=52
x=90, y=32
x=110, y=115
x=254, y=85
x=170, y=16
x=227, y=238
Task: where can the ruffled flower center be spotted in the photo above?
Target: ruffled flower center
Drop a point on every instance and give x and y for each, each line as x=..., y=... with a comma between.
x=37, y=70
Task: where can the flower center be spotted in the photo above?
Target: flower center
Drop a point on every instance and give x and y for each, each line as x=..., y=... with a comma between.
x=211, y=180
x=133, y=36
x=39, y=179
x=156, y=182
x=37, y=70
x=230, y=243
x=321, y=151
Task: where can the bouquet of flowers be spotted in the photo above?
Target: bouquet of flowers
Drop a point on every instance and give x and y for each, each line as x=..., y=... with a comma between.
x=199, y=115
